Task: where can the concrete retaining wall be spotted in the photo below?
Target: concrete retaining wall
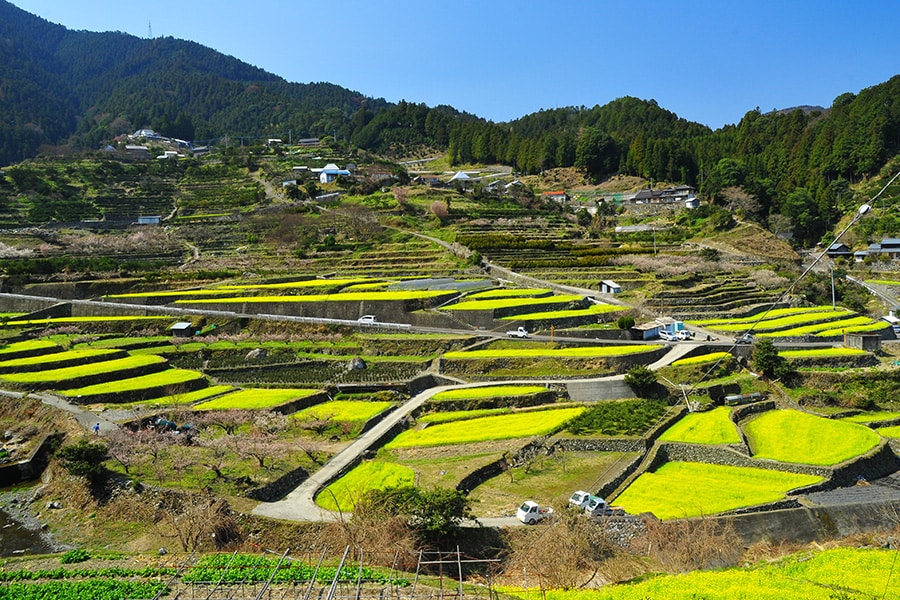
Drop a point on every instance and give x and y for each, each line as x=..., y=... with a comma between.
x=32, y=466
x=803, y=525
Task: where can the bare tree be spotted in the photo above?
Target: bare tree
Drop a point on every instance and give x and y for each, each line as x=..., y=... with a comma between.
x=199, y=522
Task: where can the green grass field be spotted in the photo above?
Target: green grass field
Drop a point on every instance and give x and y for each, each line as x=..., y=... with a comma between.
x=680, y=489
x=255, y=399
x=576, y=352
x=712, y=427
x=372, y=475
x=847, y=573
x=796, y=437
x=498, y=427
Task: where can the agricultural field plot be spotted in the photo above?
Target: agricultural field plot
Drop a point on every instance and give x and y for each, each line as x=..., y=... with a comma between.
x=621, y=418
x=58, y=359
x=256, y=399
x=819, y=321
x=374, y=296
x=711, y=427
x=701, y=360
x=516, y=425
x=176, y=398
x=492, y=396
x=127, y=343
x=872, y=417
x=777, y=313
x=795, y=437
x=503, y=293
x=823, y=353
x=550, y=315
x=86, y=320
x=511, y=302
x=336, y=284
x=343, y=411
x=892, y=432
x=681, y=490
x=344, y=493
x=817, y=575
x=547, y=479
x=170, y=378
x=548, y=352
x=460, y=415
x=65, y=375
x=28, y=348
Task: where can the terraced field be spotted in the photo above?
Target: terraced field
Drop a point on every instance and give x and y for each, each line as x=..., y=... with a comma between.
x=680, y=489
x=819, y=321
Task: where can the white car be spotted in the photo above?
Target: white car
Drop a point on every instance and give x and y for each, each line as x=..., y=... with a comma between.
x=579, y=499
x=666, y=336
x=367, y=320
x=530, y=512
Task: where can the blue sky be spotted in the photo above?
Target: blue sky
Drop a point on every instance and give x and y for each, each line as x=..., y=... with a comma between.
x=708, y=61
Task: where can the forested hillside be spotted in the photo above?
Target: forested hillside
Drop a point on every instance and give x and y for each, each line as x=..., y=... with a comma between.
x=794, y=168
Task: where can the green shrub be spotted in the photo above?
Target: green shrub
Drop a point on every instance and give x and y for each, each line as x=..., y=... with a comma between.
x=74, y=556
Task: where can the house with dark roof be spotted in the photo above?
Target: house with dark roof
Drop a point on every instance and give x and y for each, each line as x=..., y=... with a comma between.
x=673, y=195
x=839, y=250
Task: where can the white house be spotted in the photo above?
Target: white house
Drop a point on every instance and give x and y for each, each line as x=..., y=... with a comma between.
x=331, y=172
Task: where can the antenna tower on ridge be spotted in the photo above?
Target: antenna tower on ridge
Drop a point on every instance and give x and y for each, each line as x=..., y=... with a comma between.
x=150, y=30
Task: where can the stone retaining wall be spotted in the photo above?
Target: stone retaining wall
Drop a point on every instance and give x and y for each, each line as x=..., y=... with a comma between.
x=32, y=466
x=281, y=487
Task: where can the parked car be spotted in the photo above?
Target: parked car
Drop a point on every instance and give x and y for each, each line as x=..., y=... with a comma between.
x=744, y=338
x=597, y=507
x=579, y=499
x=519, y=332
x=685, y=335
x=530, y=512
x=367, y=320
x=666, y=336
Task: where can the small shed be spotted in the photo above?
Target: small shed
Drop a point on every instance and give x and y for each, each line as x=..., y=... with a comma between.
x=649, y=330
x=608, y=286
x=870, y=342
x=182, y=329
x=669, y=324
